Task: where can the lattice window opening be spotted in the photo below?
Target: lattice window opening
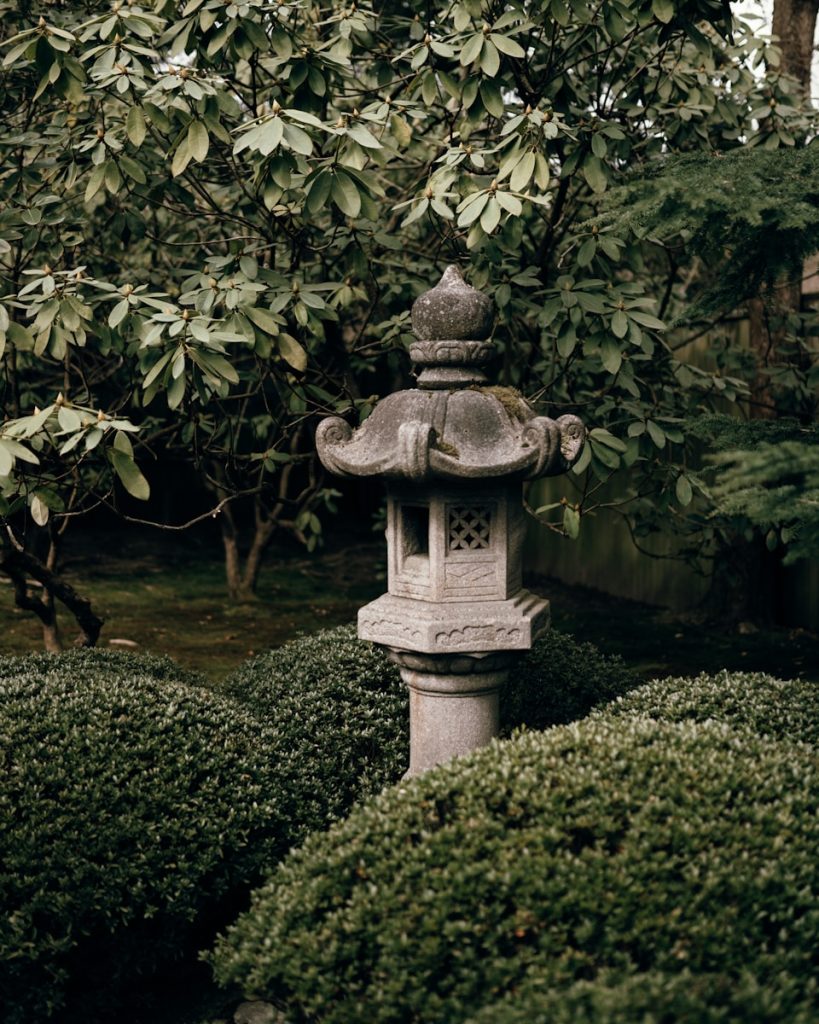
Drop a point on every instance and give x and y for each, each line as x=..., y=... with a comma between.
x=469, y=528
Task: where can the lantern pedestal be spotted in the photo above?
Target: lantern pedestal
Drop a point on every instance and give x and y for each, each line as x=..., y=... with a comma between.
x=453, y=704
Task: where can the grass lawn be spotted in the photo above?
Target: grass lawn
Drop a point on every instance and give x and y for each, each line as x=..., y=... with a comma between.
x=166, y=594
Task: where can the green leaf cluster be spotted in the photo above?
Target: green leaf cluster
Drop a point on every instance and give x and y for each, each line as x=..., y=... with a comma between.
x=752, y=214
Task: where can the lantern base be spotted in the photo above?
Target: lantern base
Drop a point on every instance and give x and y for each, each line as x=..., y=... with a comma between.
x=432, y=627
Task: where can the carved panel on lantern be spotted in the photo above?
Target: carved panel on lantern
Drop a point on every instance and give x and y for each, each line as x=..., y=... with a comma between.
x=472, y=569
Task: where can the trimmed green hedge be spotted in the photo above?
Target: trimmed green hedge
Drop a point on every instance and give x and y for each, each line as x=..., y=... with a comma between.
x=560, y=680
x=340, y=702
x=136, y=813
x=623, y=845
x=136, y=807
x=655, y=998
x=96, y=662
x=787, y=709
x=340, y=706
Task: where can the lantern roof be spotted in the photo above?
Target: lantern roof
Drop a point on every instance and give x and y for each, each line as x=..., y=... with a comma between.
x=455, y=424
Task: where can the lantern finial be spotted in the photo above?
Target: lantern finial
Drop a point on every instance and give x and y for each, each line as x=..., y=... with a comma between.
x=452, y=323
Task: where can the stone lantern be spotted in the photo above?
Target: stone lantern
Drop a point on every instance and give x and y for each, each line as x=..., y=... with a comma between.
x=454, y=452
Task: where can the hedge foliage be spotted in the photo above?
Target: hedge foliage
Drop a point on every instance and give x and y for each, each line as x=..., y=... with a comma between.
x=136, y=813
x=788, y=709
x=655, y=998
x=339, y=705
x=560, y=680
x=97, y=662
x=623, y=845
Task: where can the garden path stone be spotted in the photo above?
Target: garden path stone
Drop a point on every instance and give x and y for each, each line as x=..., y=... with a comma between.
x=257, y=1012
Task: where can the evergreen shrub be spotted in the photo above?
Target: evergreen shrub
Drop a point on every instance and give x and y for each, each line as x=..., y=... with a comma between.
x=560, y=680
x=99, y=662
x=787, y=709
x=339, y=705
x=623, y=845
x=655, y=998
x=136, y=814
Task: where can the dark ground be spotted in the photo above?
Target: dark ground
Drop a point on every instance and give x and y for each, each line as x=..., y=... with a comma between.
x=166, y=594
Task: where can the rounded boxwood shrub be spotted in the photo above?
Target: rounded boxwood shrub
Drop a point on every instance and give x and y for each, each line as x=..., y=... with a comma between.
x=339, y=705
x=788, y=709
x=340, y=702
x=560, y=680
x=655, y=998
x=625, y=845
x=81, y=662
x=136, y=814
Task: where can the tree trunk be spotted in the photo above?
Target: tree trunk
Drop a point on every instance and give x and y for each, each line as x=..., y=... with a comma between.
x=794, y=23
x=230, y=544
x=19, y=564
x=263, y=530
x=292, y=495
x=51, y=628
x=242, y=580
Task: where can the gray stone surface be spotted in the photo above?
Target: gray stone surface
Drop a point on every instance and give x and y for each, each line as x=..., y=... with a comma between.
x=453, y=310
x=463, y=434
x=455, y=544
x=465, y=627
x=450, y=715
x=257, y=1012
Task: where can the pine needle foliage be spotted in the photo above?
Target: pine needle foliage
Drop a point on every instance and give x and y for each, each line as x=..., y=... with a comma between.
x=723, y=433
x=767, y=475
x=751, y=214
x=776, y=487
